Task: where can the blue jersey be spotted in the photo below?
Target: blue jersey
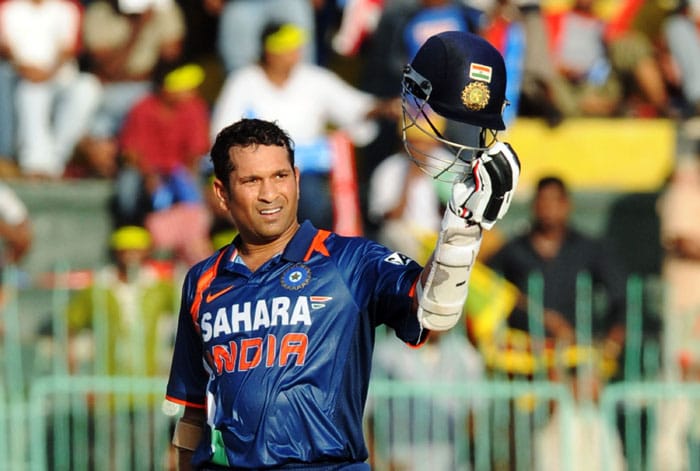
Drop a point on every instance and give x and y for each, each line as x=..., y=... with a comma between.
x=281, y=358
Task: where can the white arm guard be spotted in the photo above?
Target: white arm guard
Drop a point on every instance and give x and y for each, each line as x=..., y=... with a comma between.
x=441, y=300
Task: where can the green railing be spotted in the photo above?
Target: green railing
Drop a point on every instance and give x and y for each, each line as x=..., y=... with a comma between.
x=81, y=423
x=53, y=418
x=659, y=422
x=98, y=422
x=465, y=425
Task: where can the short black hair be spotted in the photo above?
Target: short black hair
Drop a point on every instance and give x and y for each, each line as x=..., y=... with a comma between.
x=162, y=69
x=552, y=180
x=244, y=133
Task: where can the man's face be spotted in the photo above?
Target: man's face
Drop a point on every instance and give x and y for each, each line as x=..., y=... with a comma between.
x=283, y=62
x=261, y=194
x=131, y=257
x=551, y=207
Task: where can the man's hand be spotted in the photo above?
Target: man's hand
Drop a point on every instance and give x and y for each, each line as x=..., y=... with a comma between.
x=485, y=196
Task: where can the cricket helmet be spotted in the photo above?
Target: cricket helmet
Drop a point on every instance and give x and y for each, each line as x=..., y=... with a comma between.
x=461, y=77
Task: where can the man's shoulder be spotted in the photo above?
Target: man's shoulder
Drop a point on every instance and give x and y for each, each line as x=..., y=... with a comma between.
x=146, y=104
x=246, y=75
x=306, y=71
x=350, y=241
x=360, y=251
x=519, y=239
x=208, y=264
x=346, y=247
x=581, y=238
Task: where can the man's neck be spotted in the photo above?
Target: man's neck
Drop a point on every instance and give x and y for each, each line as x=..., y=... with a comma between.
x=256, y=254
x=548, y=241
x=278, y=77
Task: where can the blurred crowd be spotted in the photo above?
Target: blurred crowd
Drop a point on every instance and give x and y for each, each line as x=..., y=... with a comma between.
x=134, y=92
x=76, y=77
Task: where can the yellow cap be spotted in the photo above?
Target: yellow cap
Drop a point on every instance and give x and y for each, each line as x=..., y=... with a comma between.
x=285, y=39
x=130, y=237
x=186, y=77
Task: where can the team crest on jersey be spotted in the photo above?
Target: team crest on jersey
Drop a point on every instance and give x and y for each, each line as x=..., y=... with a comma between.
x=296, y=277
x=397, y=259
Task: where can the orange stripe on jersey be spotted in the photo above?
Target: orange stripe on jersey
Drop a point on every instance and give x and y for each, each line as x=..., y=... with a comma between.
x=202, y=284
x=318, y=245
x=412, y=291
x=421, y=341
x=185, y=403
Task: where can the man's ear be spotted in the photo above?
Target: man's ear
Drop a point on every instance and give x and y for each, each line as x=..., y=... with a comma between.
x=222, y=194
x=297, y=176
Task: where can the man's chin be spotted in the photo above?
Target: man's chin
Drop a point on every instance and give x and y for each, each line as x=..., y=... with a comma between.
x=272, y=231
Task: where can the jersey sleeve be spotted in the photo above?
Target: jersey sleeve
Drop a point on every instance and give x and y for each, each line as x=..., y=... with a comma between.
x=390, y=278
x=188, y=377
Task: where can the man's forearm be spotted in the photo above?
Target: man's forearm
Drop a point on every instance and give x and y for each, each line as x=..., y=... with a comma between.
x=184, y=459
x=188, y=433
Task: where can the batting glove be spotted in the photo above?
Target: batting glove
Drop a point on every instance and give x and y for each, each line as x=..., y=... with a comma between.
x=485, y=196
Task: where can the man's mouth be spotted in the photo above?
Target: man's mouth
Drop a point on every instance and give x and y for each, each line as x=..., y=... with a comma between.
x=268, y=212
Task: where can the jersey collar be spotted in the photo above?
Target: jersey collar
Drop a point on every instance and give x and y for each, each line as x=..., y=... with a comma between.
x=295, y=250
x=297, y=247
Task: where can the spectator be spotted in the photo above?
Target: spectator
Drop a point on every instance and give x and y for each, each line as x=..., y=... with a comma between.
x=586, y=84
x=425, y=431
x=403, y=27
x=554, y=252
x=517, y=29
x=560, y=254
x=357, y=22
x=680, y=238
x=404, y=201
x=306, y=99
x=16, y=237
x=54, y=101
x=242, y=21
x=638, y=52
x=124, y=42
x=675, y=443
x=620, y=66
x=15, y=227
x=132, y=304
x=596, y=443
x=681, y=35
x=163, y=139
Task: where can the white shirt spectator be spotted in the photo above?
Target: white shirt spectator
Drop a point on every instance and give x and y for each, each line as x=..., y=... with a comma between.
x=310, y=100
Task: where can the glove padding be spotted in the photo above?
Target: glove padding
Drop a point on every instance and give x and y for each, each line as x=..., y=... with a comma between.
x=485, y=196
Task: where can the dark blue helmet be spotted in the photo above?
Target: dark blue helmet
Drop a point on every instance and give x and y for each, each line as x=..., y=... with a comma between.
x=461, y=76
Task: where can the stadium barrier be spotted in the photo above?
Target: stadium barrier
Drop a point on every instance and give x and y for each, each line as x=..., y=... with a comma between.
x=53, y=416
x=100, y=422
x=85, y=423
